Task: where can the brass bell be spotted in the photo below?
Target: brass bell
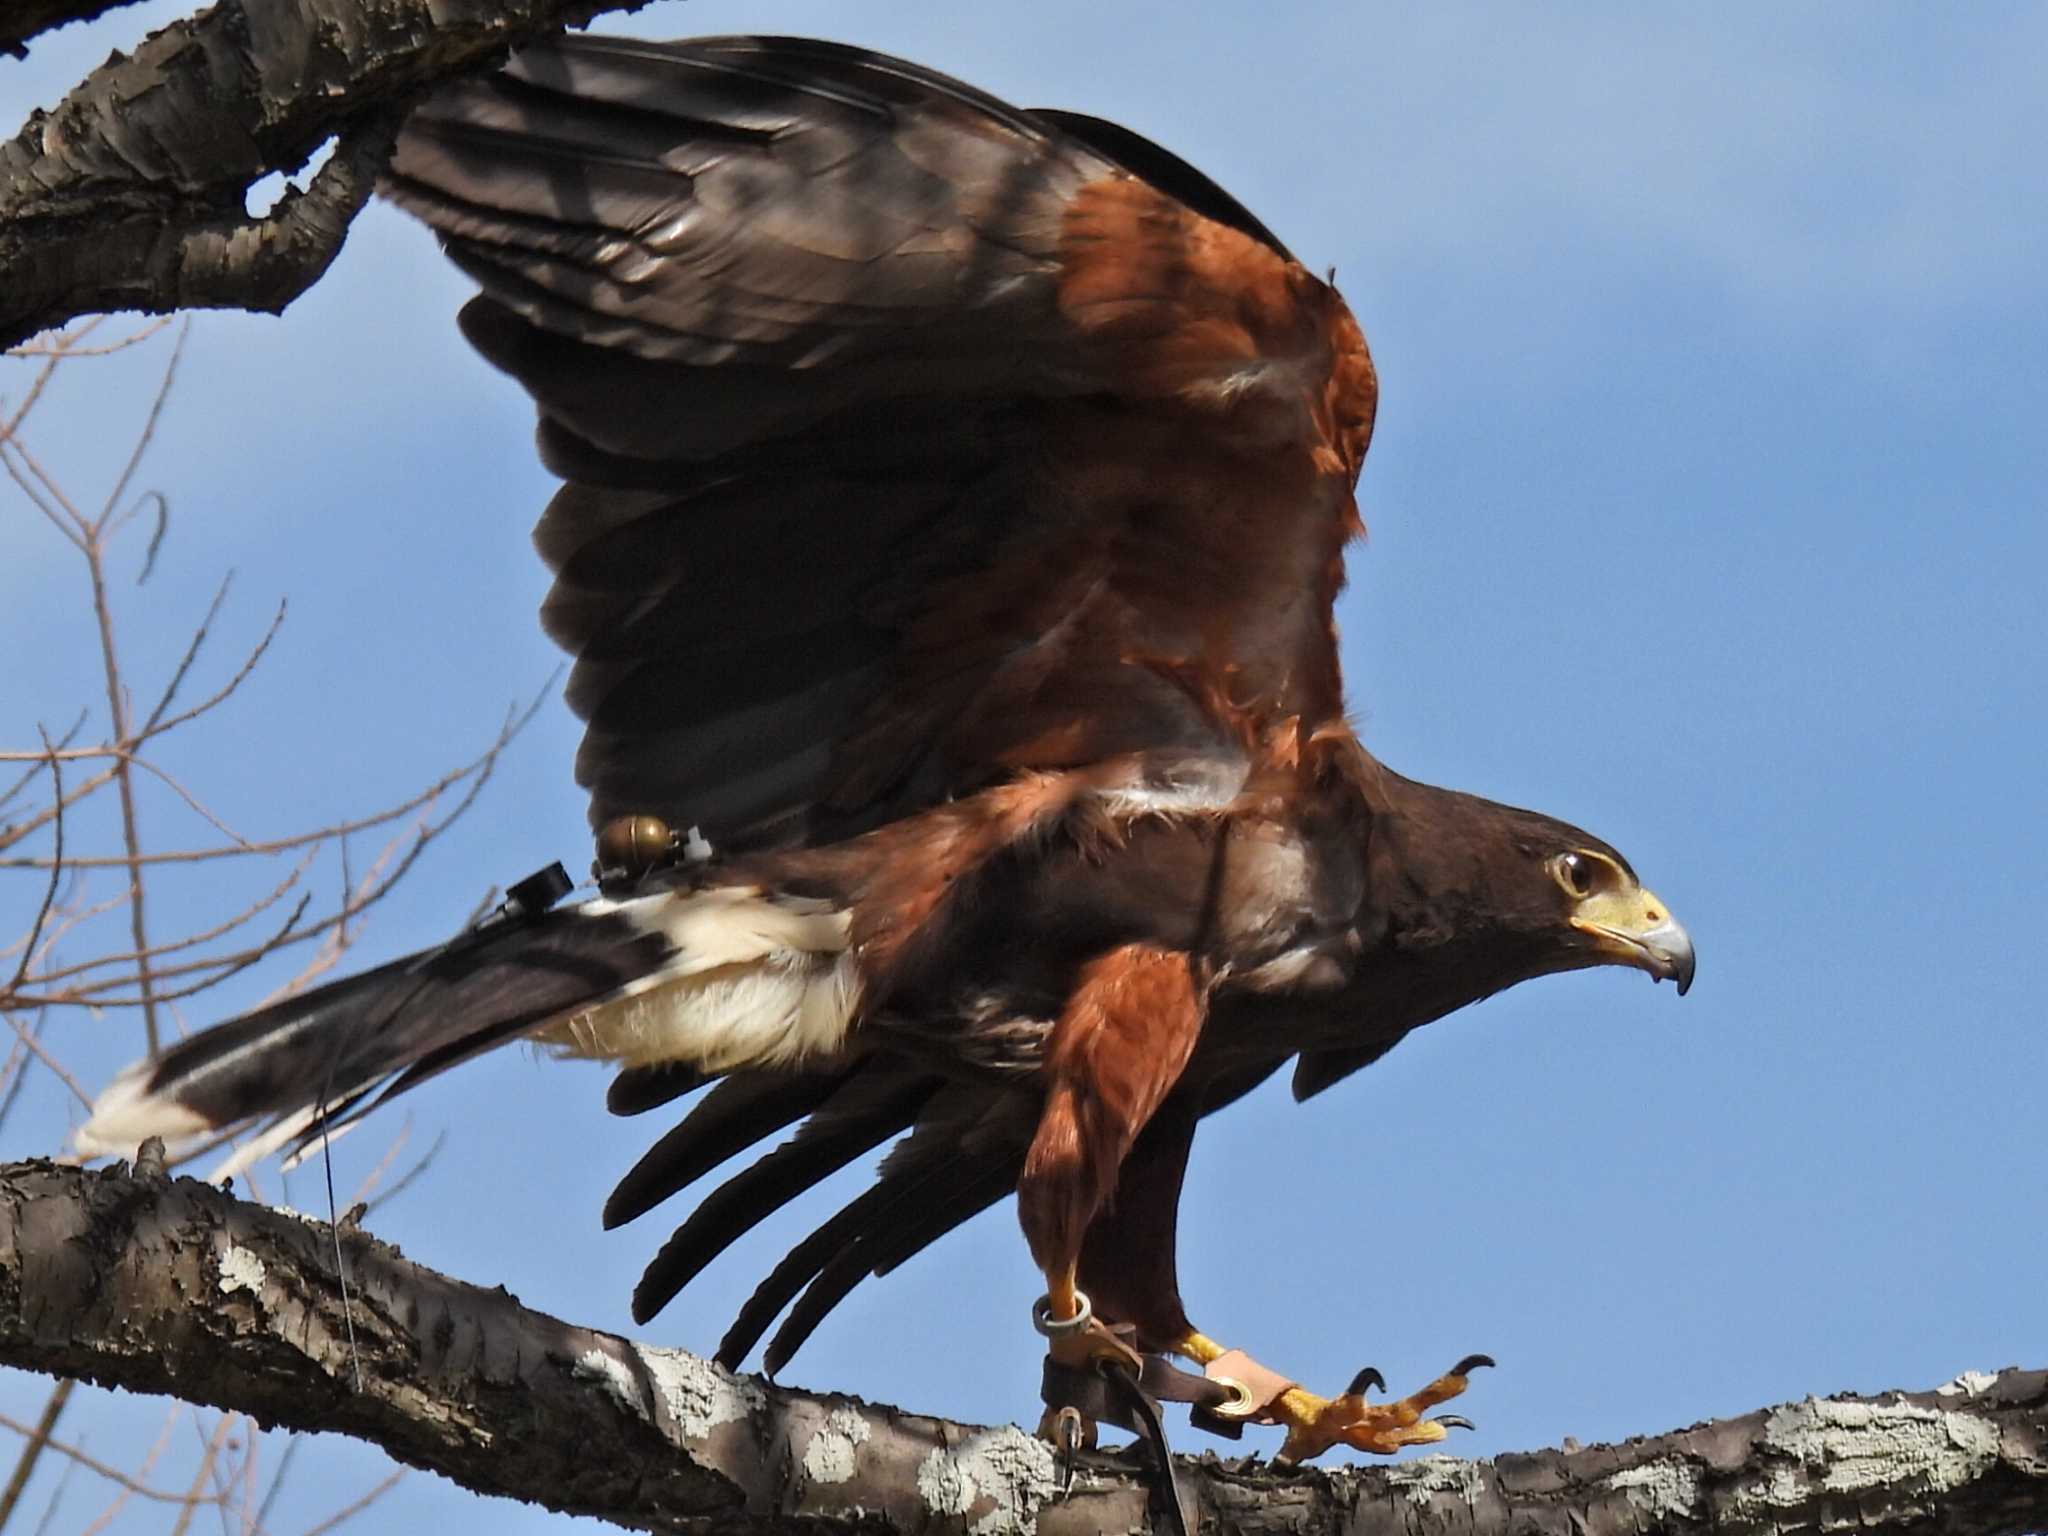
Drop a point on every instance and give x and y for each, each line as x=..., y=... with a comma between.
x=633, y=845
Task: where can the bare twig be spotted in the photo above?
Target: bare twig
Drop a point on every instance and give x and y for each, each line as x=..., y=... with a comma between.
x=17, y=831
x=361, y=1197
x=54, y=352
x=479, y=770
x=56, y=1499
x=44, y=794
x=404, y=1180
x=357, y=1506
x=38, y=761
x=210, y=972
x=200, y=635
x=156, y=724
x=284, y=1466
x=196, y=1494
x=43, y=493
x=14, y=1073
x=193, y=803
x=73, y=914
x=117, y=694
x=162, y=503
x=38, y=1442
x=120, y=1500
x=149, y=425
x=41, y=1053
x=35, y=929
x=94, y=1464
x=62, y=346
x=255, y=909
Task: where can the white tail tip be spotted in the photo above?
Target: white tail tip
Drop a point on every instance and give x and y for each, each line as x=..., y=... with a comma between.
x=127, y=1114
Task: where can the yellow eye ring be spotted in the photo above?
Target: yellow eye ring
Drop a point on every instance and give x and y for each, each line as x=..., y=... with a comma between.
x=1575, y=873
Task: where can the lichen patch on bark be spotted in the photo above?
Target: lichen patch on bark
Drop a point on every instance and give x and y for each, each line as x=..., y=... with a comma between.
x=834, y=1450
x=1427, y=1476
x=1865, y=1447
x=1010, y=1471
x=700, y=1394
x=1663, y=1488
x=240, y=1270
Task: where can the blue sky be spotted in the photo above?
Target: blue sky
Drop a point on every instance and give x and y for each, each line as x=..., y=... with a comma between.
x=1707, y=510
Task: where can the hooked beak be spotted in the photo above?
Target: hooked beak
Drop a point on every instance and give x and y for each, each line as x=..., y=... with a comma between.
x=1634, y=927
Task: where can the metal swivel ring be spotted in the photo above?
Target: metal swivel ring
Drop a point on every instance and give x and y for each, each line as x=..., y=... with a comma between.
x=1238, y=1405
x=1060, y=1328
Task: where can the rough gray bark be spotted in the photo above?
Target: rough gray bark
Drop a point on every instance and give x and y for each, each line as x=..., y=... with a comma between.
x=131, y=193
x=172, y=1286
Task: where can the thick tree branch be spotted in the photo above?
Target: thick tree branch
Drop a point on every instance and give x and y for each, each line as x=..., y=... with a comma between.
x=24, y=19
x=172, y=1286
x=131, y=194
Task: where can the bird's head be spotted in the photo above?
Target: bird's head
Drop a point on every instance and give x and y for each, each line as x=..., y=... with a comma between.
x=1609, y=918
x=1531, y=894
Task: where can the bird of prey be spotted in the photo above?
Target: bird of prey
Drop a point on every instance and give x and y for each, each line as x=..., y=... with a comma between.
x=955, y=499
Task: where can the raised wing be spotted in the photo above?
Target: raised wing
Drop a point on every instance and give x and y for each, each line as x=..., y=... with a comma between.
x=911, y=439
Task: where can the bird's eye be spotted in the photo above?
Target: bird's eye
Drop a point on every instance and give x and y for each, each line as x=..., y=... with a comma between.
x=1574, y=873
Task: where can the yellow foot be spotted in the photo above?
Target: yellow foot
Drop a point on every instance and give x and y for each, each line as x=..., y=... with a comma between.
x=1314, y=1424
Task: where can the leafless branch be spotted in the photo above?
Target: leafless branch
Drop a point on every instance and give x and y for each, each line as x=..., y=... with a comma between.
x=30, y=18
x=38, y=1441
x=41, y=1052
x=96, y=1271
x=64, y=344
x=39, y=761
x=46, y=975
x=356, y=1506
x=196, y=1495
x=35, y=927
x=117, y=694
x=198, y=974
x=478, y=771
x=147, y=435
x=47, y=795
x=261, y=1517
x=39, y=1438
x=128, y=1485
x=157, y=724
x=200, y=635
x=404, y=1180
x=131, y=194
x=14, y=1072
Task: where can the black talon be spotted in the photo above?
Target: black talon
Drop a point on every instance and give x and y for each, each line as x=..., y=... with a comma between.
x=1470, y=1363
x=1453, y=1421
x=1369, y=1377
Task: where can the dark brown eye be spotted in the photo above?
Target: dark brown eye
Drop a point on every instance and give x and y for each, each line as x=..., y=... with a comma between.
x=1574, y=873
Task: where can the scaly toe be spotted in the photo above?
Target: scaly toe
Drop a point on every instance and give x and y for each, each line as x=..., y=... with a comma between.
x=1314, y=1424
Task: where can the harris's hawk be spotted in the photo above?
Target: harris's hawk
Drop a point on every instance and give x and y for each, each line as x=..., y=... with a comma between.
x=955, y=501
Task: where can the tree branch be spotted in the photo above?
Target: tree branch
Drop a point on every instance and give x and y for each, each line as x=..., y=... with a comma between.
x=31, y=18
x=131, y=194
x=174, y=1286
